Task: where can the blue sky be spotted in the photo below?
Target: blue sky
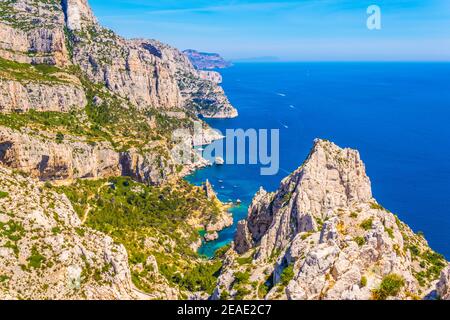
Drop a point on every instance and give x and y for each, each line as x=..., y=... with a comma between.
x=289, y=29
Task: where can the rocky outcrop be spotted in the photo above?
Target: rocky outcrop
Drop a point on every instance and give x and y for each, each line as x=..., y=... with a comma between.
x=43, y=157
x=45, y=252
x=146, y=167
x=224, y=221
x=210, y=193
x=33, y=32
x=331, y=178
x=78, y=14
x=321, y=235
x=443, y=286
x=210, y=76
x=40, y=96
x=211, y=236
x=205, y=60
x=198, y=89
x=46, y=159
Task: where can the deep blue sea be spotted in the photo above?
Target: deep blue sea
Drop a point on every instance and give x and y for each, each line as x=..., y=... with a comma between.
x=396, y=114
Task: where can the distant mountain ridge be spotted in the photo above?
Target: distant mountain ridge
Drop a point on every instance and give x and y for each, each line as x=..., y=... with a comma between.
x=206, y=60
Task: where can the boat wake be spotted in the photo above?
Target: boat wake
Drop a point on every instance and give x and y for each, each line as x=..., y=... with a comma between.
x=284, y=125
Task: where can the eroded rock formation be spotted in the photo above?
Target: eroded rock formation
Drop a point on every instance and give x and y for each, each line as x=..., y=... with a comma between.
x=322, y=235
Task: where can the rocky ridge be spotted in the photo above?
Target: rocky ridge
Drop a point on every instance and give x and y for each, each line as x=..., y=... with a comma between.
x=206, y=60
x=322, y=235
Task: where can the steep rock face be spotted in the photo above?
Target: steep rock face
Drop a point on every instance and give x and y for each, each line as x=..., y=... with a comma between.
x=78, y=14
x=45, y=253
x=45, y=158
x=127, y=68
x=33, y=32
x=443, y=286
x=147, y=167
x=321, y=235
x=40, y=96
x=199, y=89
x=330, y=179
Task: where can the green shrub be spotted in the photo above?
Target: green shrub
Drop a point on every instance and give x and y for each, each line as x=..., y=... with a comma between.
x=390, y=287
x=59, y=137
x=241, y=277
x=287, y=274
x=241, y=292
x=36, y=259
x=224, y=295
x=376, y=206
x=220, y=253
x=3, y=194
x=363, y=282
x=263, y=289
x=390, y=232
x=415, y=251
x=244, y=260
x=202, y=277
x=360, y=241
x=367, y=224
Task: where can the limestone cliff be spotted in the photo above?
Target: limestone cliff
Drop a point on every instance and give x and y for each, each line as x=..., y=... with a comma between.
x=63, y=33
x=117, y=96
x=322, y=235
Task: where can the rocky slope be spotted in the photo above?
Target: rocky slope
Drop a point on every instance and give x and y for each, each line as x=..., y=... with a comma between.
x=206, y=60
x=103, y=239
x=322, y=235
x=46, y=252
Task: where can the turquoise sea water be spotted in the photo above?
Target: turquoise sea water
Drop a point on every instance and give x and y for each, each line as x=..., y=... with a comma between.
x=396, y=114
